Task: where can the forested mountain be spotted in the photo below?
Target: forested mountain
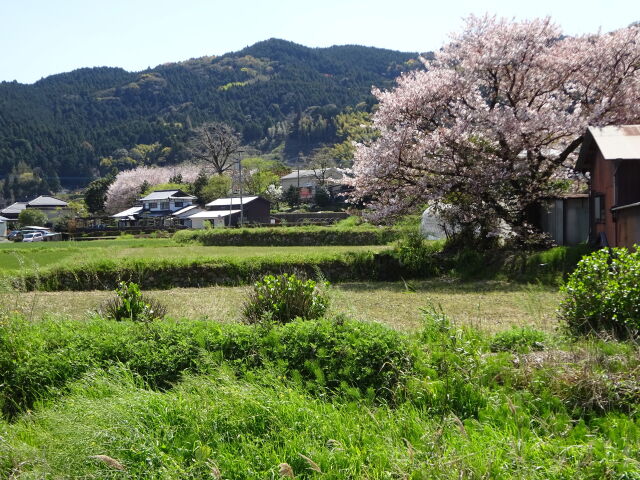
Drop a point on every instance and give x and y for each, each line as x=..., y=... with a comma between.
x=275, y=93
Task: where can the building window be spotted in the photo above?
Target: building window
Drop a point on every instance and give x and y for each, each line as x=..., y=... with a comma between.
x=164, y=206
x=598, y=208
x=153, y=205
x=179, y=204
x=145, y=206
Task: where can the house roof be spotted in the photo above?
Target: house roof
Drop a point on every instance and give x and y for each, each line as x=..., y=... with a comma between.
x=615, y=142
x=128, y=212
x=313, y=173
x=167, y=194
x=16, y=207
x=35, y=227
x=231, y=201
x=46, y=201
x=3, y=219
x=187, y=211
x=209, y=214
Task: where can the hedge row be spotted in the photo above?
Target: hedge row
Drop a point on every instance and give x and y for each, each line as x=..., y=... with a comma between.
x=288, y=236
x=166, y=274
x=38, y=359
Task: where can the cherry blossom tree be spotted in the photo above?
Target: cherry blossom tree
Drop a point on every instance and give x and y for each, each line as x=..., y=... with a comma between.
x=495, y=120
x=125, y=189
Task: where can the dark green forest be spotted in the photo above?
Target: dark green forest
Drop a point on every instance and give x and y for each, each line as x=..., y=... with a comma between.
x=70, y=128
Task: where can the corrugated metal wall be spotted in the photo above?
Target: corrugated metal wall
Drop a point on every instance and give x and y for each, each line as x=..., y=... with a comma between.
x=628, y=226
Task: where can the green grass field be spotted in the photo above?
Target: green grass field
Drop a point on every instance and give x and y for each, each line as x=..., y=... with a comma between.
x=16, y=257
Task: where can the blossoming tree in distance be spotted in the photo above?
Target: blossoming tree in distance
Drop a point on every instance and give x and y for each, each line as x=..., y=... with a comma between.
x=495, y=120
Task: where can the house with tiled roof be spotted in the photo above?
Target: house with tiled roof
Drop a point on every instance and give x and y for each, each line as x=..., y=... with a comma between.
x=155, y=209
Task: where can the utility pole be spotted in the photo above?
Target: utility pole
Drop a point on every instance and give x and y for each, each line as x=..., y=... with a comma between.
x=230, y=201
x=241, y=203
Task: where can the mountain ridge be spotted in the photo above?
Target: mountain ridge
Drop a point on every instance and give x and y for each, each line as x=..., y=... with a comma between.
x=277, y=93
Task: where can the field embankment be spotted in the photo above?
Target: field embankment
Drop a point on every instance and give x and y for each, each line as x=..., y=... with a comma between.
x=165, y=263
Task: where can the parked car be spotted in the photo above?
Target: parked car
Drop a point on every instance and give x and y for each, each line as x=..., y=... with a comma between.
x=33, y=237
x=15, y=236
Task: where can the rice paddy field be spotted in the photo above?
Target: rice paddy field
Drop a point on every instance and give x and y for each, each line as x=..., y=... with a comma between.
x=17, y=257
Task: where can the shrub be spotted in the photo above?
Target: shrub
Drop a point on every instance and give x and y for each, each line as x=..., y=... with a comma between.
x=283, y=298
x=38, y=359
x=131, y=304
x=417, y=255
x=32, y=217
x=518, y=340
x=291, y=196
x=603, y=294
x=322, y=197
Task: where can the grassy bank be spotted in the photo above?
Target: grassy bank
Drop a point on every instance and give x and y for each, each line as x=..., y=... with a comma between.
x=332, y=398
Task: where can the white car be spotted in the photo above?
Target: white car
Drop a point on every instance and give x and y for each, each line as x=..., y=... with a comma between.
x=33, y=237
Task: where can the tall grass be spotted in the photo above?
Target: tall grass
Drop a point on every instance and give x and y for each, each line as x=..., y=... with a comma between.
x=222, y=426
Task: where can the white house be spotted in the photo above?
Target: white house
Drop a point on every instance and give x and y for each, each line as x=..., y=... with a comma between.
x=166, y=201
x=182, y=216
x=155, y=208
x=308, y=180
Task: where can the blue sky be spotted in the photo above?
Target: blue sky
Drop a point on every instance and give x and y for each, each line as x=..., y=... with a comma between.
x=43, y=37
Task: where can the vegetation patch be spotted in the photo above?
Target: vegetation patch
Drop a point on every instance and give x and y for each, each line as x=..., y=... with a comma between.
x=37, y=360
x=289, y=236
x=284, y=298
x=519, y=340
x=335, y=398
x=603, y=294
x=131, y=304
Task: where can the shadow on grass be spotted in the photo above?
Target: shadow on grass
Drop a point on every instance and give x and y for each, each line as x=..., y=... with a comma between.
x=445, y=285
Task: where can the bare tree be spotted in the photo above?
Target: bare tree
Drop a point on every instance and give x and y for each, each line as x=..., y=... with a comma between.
x=216, y=144
x=321, y=162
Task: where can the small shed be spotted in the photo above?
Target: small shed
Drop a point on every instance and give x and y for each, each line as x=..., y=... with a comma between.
x=611, y=156
x=253, y=209
x=218, y=218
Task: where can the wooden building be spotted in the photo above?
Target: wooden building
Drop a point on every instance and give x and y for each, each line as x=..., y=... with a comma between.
x=611, y=156
x=234, y=211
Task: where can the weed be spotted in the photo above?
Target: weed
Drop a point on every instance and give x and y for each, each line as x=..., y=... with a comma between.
x=519, y=340
x=131, y=304
x=283, y=298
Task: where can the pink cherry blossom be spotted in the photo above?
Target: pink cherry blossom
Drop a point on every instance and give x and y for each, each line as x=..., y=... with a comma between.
x=125, y=190
x=495, y=119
